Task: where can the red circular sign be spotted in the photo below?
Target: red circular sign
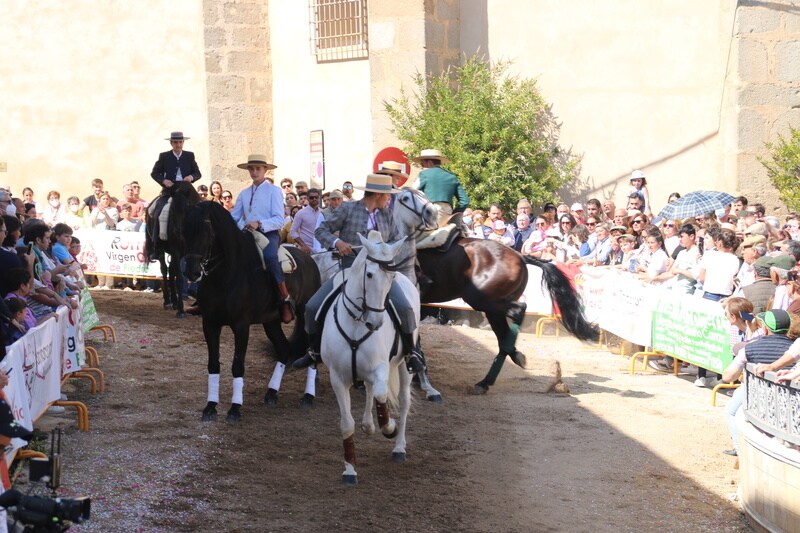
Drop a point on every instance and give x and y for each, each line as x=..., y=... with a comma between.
x=391, y=154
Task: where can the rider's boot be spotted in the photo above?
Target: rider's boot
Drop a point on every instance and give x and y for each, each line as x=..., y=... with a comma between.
x=312, y=355
x=287, y=307
x=414, y=362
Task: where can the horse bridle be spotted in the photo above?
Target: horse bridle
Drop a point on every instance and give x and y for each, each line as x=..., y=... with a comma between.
x=420, y=228
x=386, y=266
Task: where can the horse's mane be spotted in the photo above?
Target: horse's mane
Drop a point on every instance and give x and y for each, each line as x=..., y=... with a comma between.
x=236, y=247
x=184, y=197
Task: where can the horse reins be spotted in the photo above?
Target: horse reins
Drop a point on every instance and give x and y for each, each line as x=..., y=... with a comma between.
x=386, y=266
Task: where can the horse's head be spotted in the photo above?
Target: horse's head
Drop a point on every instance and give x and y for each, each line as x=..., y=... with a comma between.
x=374, y=271
x=198, y=238
x=414, y=212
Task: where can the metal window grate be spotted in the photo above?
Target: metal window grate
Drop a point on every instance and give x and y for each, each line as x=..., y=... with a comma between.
x=338, y=29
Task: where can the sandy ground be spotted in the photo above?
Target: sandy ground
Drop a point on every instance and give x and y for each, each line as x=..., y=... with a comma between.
x=620, y=453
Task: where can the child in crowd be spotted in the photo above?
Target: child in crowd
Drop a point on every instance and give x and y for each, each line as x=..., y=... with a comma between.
x=18, y=308
x=21, y=282
x=126, y=220
x=501, y=234
x=639, y=186
x=75, y=216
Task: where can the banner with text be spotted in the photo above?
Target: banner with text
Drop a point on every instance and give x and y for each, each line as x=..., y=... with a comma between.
x=693, y=330
x=115, y=253
x=618, y=302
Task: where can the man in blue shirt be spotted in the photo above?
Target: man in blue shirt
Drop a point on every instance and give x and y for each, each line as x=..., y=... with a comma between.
x=260, y=208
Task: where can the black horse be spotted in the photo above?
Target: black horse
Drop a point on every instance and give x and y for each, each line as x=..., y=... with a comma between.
x=491, y=277
x=236, y=291
x=184, y=196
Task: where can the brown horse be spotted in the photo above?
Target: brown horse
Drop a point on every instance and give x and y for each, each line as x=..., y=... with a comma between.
x=491, y=277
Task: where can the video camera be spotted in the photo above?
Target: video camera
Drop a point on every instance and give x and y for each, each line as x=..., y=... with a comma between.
x=44, y=514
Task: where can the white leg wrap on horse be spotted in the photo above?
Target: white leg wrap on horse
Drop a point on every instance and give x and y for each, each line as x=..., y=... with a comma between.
x=277, y=376
x=311, y=378
x=163, y=221
x=238, y=386
x=213, y=388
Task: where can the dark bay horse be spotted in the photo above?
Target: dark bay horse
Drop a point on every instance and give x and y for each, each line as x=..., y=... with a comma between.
x=236, y=291
x=184, y=196
x=491, y=277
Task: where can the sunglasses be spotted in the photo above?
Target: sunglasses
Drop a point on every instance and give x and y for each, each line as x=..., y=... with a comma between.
x=287, y=185
x=669, y=225
x=591, y=223
x=637, y=221
x=347, y=188
x=227, y=197
x=313, y=197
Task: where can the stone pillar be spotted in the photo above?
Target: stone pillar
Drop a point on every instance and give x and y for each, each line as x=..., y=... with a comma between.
x=768, y=93
x=407, y=37
x=239, y=85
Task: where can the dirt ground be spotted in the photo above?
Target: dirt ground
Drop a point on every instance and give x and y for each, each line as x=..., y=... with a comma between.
x=620, y=453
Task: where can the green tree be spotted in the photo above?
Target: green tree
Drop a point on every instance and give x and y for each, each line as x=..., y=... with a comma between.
x=783, y=168
x=497, y=130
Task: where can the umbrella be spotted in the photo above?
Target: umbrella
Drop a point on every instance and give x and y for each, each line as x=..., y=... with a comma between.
x=696, y=203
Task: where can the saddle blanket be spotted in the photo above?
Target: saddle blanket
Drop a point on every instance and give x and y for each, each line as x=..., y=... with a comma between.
x=288, y=264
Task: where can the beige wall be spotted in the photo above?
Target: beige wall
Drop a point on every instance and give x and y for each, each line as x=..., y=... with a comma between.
x=90, y=89
x=333, y=97
x=636, y=84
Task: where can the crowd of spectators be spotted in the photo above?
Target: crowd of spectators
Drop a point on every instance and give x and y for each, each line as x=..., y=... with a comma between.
x=736, y=252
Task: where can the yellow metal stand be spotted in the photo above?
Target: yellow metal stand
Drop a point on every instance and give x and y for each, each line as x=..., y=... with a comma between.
x=549, y=319
x=645, y=356
x=83, y=412
x=722, y=386
x=107, y=330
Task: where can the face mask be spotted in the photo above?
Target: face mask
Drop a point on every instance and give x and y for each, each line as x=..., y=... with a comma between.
x=467, y=221
x=74, y=208
x=11, y=210
x=55, y=203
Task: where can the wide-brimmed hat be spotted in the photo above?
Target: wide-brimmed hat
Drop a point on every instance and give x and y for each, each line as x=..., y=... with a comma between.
x=431, y=153
x=638, y=175
x=176, y=136
x=256, y=159
x=393, y=168
x=380, y=183
x=335, y=193
x=752, y=240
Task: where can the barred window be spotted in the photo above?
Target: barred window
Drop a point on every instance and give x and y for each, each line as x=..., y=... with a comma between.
x=338, y=29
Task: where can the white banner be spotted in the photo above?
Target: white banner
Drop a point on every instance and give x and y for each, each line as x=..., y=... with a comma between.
x=618, y=302
x=115, y=253
x=35, y=365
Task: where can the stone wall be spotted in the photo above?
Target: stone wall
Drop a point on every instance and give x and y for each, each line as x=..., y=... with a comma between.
x=239, y=85
x=768, y=91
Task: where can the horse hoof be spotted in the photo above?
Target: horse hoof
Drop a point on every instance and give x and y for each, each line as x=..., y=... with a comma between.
x=350, y=480
x=180, y=314
x=368, y=429
x=519, y=359
x=399, y=457
x=234, y=415
x=307, y=401
x=436, y=398
x=209, y=414
x=480, y=389
x=167, y=307
x=271, y=398
x=393, y=434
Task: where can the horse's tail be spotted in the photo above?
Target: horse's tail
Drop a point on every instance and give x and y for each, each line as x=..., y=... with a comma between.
x=569, y=305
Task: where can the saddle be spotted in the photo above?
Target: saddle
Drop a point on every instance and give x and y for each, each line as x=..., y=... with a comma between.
x=163, y=219
x=288, y=264
x=441, y=239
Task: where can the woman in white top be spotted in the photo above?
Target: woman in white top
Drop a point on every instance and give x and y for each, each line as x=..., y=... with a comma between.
x=103, y=215
x=653, y=260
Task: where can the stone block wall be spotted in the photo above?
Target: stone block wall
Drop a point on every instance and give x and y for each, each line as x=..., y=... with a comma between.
x=239, y=86
x=767, y=41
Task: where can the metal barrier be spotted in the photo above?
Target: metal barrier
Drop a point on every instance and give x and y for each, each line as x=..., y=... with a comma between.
x=772, y=407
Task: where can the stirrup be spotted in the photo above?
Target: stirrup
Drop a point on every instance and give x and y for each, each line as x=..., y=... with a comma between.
x=414, y=362
x=310, y=358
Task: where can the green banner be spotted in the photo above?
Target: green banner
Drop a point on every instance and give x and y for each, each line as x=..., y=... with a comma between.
x=90, y=318
x=694, y=330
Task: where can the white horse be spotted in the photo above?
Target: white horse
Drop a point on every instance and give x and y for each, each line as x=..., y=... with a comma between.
x=360, y=342
x=413, y=214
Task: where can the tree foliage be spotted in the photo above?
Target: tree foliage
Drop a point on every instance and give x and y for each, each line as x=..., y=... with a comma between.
x=498, y=132
x=783, y=168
